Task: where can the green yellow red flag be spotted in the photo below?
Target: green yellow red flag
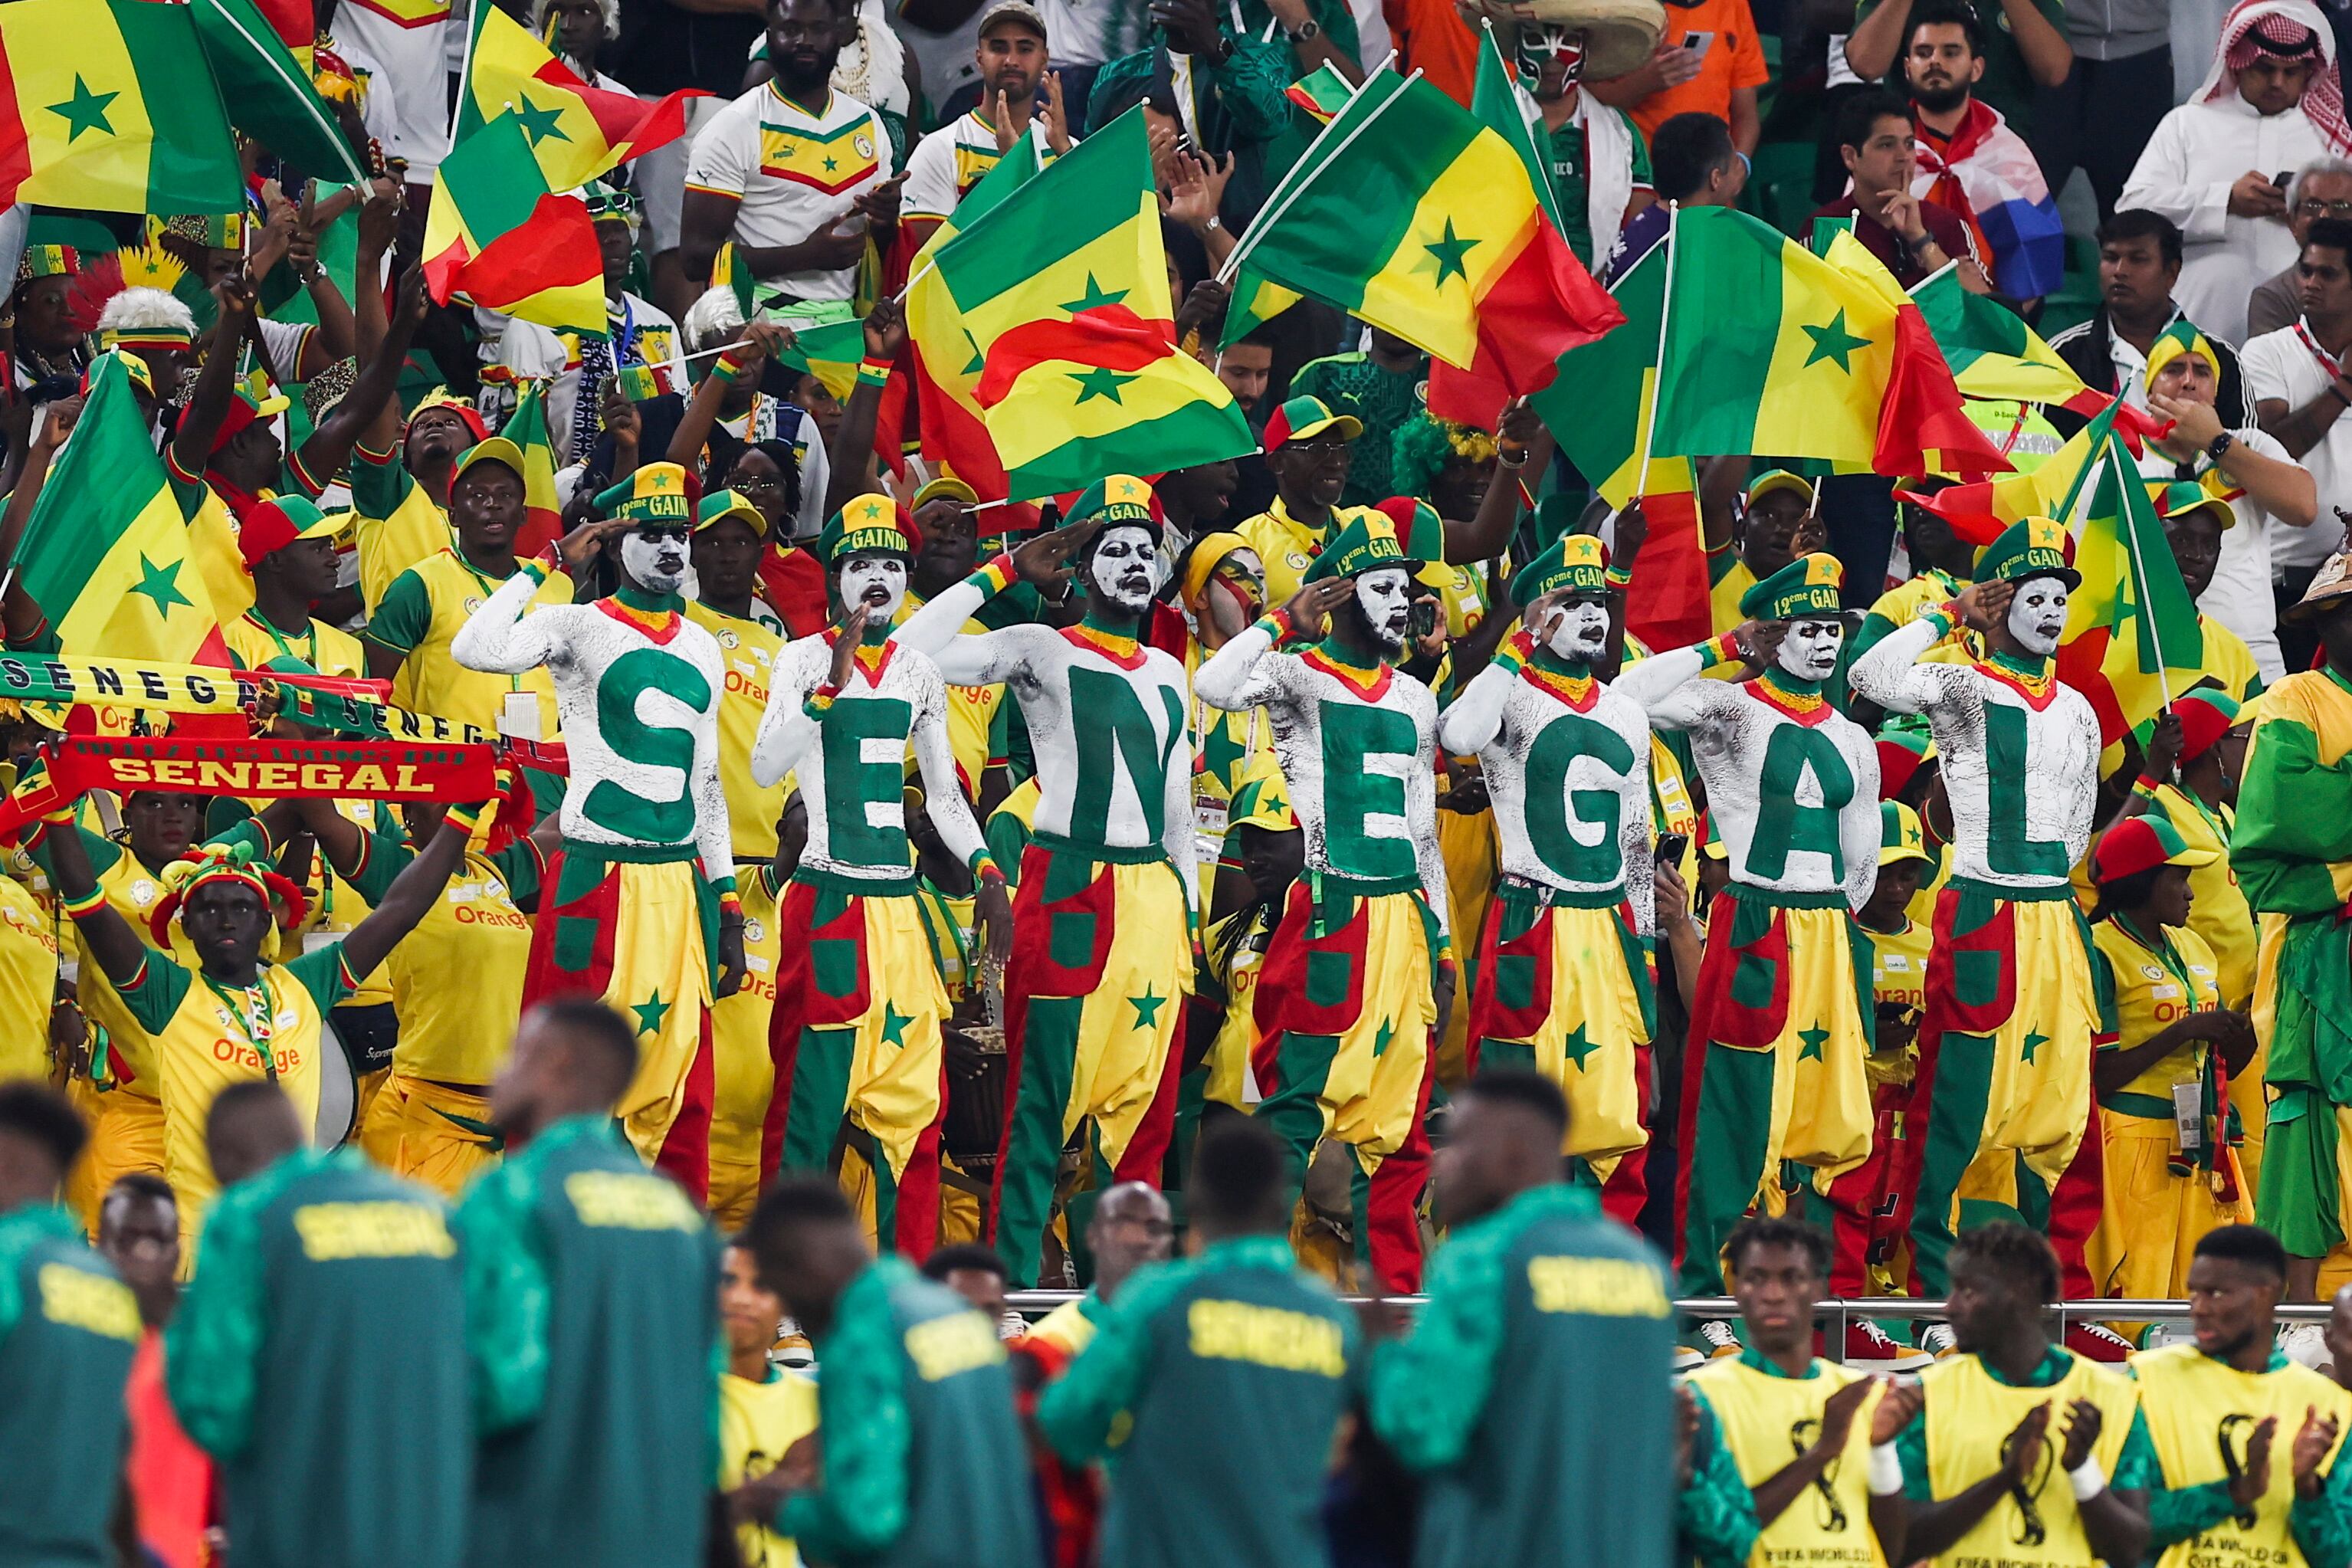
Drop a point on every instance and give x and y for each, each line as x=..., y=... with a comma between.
x=497, y=235
x=2132, y=638
x=1993, y=353
x=105, y=554
x=1061, y=290
x=268, y=93
x=107, y=105
x=575, y=131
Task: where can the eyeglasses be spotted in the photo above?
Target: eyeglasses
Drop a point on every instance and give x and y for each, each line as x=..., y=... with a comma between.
x=2310, y=208
x=758, y=484
x=1323, y=447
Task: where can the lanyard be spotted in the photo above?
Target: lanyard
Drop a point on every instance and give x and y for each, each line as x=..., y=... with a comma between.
x=250, y=1004
x=2327, y=361
x=514, y=683
x=310, y=656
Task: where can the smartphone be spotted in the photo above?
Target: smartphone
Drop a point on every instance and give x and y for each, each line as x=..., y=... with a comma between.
x=1425, y=618
x=2281, y=180
x=1697, y=43
x=1672, y=847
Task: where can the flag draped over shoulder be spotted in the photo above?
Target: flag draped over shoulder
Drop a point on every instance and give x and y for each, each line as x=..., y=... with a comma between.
x=575, y=130
x=1598, y=409
x=1477, y=396
x=1993, y=353
x=1770, y=349
x=105, y=104
x=497, y=235
x=268, y=91
x=1412, y=214
x=1061, y=293
x=1988, y=174
x=946, y=359
x=105, y=554
x=2132, y=632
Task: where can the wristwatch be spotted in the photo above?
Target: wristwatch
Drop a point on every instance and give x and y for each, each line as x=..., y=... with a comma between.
x=2220, y=446
x=1310, y=28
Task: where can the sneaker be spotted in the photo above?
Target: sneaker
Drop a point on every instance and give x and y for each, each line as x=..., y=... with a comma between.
x=2304, y=1344
x=1868, y=1345
x=1938, y=1340
x=1712, y=1338
x=2096, y=1341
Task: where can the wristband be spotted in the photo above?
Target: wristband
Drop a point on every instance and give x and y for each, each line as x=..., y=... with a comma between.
x=1505, y=463
x=995, y=576
x=1618, y=577
x=820, y=700
x=1723, y=649
x=727, y=369
x=2146, y=784
x=467, y=818
x=75, y=908
x=539, y=570
x=872, y=371
x=1945, y=617
x=729, y=903
x=1278, y=623
x=2087, y=1479
x=1886, y=1470
x=60, y=816
x=984, y=865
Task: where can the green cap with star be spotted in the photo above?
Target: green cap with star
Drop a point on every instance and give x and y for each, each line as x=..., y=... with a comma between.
x=867, y=525
x=1117, y=497
x=1572, y=561
x=2029, y=547
x=1261, y=799
x=1900, y=837
x=1366, y=543
x=1809, y=586
x=653, y=497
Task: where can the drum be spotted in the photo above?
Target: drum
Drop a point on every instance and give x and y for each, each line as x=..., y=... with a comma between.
x=972, y=1129
x=337, y=1092
x=1619, y=35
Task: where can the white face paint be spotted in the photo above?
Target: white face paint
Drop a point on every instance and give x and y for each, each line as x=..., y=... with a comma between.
x=2037, y=615
x=1580, y=631
x=1385, y=595
x=875, y=580
x=1810, y=651
x=1125, y=567
x=656, y=563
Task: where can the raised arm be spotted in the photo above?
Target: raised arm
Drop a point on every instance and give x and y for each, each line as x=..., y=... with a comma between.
x=1667, y=685
x=497, y=638
x=412, y=894
x=1237, y=678
x=377, y=384
x=112, y=940
x=745, y=360
x=1523, y=447
x=1891, y=675
x=1476, y=717
x=192, y=442
x=1042, y=561
x=851, y=457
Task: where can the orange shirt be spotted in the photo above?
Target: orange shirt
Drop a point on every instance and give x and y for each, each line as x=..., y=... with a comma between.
x=1734, y=59
x=170, y=1478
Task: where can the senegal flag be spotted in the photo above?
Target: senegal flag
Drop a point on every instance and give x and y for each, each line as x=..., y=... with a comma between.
x=1773, y=350
x=1062, y=291
x=1597, y=408
x=945, y=357
x=828, y=342
x=2132, y=629
x=268, y=91
x=497, y=235
x=1321, y=92
x=1993, y=353
x=107, y=104
x=1420, y=219
x=1979, y=512
x=105, y=554
x=542, y=513
x=575, y=131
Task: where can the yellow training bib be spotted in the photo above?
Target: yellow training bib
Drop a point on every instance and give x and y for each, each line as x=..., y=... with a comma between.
x=1768, y=1420
x=1969, y=1414
x=2200, y=1411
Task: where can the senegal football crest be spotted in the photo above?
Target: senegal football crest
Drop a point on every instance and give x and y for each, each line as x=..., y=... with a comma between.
x=829, y=161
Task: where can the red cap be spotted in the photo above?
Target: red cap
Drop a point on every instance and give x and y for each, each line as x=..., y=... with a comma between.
x=2139, y=843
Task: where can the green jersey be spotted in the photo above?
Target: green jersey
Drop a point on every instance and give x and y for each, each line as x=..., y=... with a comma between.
x=319, y=1358
x=68, y=1330
x=1237, y=1339
x=591, y=1289
x=925, y=1465
x=1539, y=1315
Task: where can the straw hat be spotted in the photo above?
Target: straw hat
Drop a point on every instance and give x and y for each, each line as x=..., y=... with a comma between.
x=1619, y=35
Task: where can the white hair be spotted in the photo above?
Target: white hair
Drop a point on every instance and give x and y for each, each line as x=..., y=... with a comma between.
x=2316, y=166
x=145, y=310
x=611, y=9
x=712, y=320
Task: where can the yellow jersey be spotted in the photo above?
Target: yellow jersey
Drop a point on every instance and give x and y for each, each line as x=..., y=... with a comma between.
x=2199, y=1410
x=331, y=650
x=396, y=524
x=207, y=1036
x=28, y=983
x=748, y=651
x=131, y=891
x=2218, y=911
x=420, y=616
x=743, y=1075
x=1769, y=1418
x=1068, y=1328
x=2154, y=988
x=457, y=979
x=1288, y=547
x=757, y=1422
x=2229, y=660
x=1728, y=579
x=1898, y=977
x=1970, y=1413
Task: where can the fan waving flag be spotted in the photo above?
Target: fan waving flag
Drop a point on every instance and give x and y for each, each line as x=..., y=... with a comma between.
x=499, y=236
x=1322, y=93
x=1420, y=219
x=1771, y=349
x=1061, y=290
x=268, y=91
x=576, y=131
x=108, y=105
x=828, y=342
x=105, y=554
x=1978, y=512
x=2132, y=638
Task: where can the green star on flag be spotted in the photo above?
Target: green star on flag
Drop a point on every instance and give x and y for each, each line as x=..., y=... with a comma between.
x=1101, y=381
x=1449, y=252
x=1387, y=1034
x=1814, y=1038
x=1096, y=297
x=538, y=123
x=1577, y=1046
x=161, y=583
x=1834, y=341
x=2033, y=1042
x=85, y=110
x=893, y=1024
x=1147, y=1008
x=650, y=1013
